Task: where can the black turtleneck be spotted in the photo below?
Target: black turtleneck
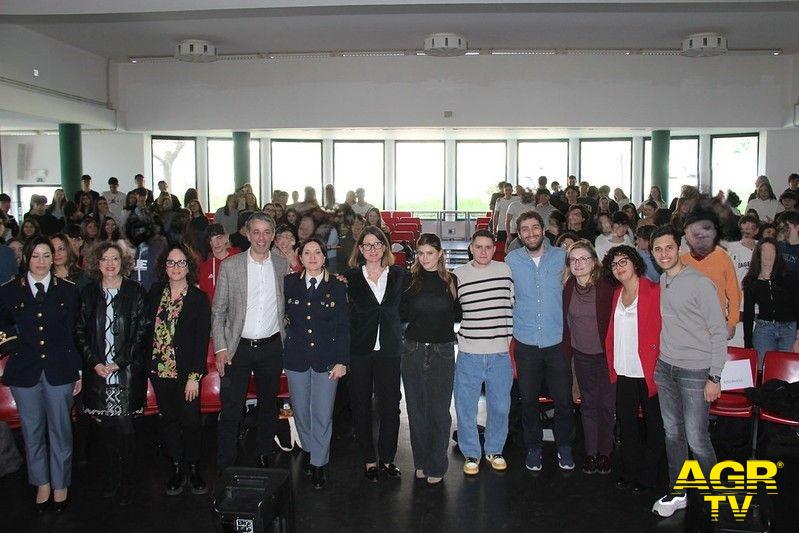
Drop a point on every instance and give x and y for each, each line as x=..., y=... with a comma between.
x=431, y=312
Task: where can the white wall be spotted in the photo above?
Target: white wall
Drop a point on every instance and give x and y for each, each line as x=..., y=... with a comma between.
x=530, y=91
x=782, y=154
x=104, y=155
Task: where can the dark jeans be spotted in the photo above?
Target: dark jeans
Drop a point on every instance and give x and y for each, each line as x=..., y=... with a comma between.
x=533, y=366
x=428, y=373
x=598, y=399
x=640, y=458
x=380, y=375
x=681, y=393
x=180, y=420
x=266, y=362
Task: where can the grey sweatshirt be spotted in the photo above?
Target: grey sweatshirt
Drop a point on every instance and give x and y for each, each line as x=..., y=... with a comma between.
x=694, y=332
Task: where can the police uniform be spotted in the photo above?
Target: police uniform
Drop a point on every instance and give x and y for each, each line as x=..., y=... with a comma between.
x=42, y=369
x=317, y=338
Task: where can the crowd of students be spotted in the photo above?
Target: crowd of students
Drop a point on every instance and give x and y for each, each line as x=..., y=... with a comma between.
x=625, y=307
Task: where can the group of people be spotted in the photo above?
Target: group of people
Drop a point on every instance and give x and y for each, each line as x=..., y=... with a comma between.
x=624, y=311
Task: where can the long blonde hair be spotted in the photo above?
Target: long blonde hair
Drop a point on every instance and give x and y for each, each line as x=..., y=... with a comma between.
x=596, y=272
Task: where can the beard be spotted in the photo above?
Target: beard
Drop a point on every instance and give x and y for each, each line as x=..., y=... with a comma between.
x=534, y=247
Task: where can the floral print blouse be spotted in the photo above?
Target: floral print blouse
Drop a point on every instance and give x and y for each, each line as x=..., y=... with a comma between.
x=165, y=320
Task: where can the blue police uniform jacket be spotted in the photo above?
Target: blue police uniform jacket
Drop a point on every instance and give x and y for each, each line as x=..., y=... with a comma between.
x=44, y=332
x=318, y=328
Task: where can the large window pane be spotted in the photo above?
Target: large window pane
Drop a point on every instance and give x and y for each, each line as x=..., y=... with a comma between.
x=359, y=165
x=607, y=162
x=296, y=165
x=220, y=171
x=734, y=165
x=543, y=158
x=683, y=165
x=479, y=167
x=174, y=162
x=419, y=176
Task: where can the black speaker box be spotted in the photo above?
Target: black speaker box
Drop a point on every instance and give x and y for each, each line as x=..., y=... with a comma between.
x=254, y=500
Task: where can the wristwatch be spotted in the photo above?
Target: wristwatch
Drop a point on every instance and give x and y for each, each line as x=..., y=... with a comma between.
x=714, y=379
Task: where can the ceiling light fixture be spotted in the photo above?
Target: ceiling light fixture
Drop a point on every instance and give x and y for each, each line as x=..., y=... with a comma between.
x=445, y=45
x=706, y=44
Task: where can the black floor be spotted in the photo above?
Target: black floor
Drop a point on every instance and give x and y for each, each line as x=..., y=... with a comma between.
x=516, y=500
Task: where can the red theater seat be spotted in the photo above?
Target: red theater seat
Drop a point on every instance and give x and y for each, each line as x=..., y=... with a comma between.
x=733, y=403
x=407, y=236
x=404, y=226
x=401, y=214
x=8, y=407
x=399, y=259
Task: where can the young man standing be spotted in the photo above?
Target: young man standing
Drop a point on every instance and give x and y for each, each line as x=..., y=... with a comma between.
x=643, y=234
x=501, y=211
x=740, y=253
x=141, y=190
x=693, y=348
x=115, y=198
x=361, y=206
x=619, y=234
x=85, y=187
x=485, y=292
x=538, y=332
x=162, y=186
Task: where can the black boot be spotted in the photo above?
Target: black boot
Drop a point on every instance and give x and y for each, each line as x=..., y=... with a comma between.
x=127, y=453
x=110, y=472
x=196, y=481
x=176, y=480
x=318, y=476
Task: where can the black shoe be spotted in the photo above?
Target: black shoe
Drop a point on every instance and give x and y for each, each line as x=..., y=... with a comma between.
x=371, y=473
x=639, y=489
x=589, y=466
x=176, y=480
x=602, y=464
x=263, y=461
x=196, y=481
x=390, y=470
x=60, y=507
x=623, y=484
x=42, y=507
x=318, y=477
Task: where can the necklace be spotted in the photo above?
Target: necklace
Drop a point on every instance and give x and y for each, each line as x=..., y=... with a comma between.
x=669, y=281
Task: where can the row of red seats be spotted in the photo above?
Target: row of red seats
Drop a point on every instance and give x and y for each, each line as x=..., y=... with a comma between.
x=209, y=393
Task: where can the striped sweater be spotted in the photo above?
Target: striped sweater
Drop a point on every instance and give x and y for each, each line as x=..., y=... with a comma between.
x=486, y=297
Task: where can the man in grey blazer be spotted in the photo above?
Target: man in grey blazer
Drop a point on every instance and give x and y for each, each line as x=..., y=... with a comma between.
x=248, y=327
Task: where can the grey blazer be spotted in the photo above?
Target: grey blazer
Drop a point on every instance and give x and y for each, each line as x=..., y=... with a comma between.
x=230, y=300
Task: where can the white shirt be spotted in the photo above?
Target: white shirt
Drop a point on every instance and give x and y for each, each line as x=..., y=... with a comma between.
x=603, y=244
x=260, y=321
x=116, y=202
x=766, y=209
x=361, y=209
x=308, y=280
x=515, y=209
x=501, y=210
x=626, y=361
x=379, y=290
x=32, y=283
x=740, y=256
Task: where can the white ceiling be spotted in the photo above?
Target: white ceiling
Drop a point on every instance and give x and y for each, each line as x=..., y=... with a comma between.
x=109, y=29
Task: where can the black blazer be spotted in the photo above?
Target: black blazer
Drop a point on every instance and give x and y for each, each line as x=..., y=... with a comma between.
x=318, y=330
x=366, y=313
x=43, y=330
x=192, y=331
x=132, y=324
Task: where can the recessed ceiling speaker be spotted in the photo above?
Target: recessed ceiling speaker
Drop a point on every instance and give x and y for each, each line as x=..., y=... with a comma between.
x=444, y=45
x=707, y=44
x=195, y=51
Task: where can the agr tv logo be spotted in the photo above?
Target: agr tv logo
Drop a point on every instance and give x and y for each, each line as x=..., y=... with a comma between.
x=727, y=481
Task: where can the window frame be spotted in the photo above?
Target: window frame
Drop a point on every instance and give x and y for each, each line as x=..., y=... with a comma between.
x=754, y=134
x=208, y=168
x=171, y=138
x=559, y=140
x=361, y=141
x=458, y=142
x=644, y=192
x=601, y=139
x=321, y=164
x=443, y=164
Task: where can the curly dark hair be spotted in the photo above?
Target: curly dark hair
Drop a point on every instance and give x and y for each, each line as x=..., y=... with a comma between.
x=97, y=251
x=623, y=250
x=192, y=268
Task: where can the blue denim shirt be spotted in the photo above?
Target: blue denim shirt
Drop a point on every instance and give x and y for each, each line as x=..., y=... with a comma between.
x=651, y=272
x=538, y=310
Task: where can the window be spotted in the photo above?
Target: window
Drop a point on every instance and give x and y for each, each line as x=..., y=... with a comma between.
x=356, y=165
x=683, y=165
x=220, y=172
x=607, y=162
x=174, y=162
x=296, y=165
x=25, y=192
x=419, y=175
x=543, y=158
x=479, y=166
x=733, y=160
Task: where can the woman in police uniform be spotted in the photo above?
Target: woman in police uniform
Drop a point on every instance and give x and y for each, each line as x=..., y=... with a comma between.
x=316, y=351
x=42, y=371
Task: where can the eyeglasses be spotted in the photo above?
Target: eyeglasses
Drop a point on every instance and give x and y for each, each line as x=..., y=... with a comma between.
x=368, y=247
x=580, y=260
x=621, y=263
x=180, y=263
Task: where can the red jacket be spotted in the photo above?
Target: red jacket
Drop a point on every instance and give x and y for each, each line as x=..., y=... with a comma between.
x=209, y=272
x=649, y=323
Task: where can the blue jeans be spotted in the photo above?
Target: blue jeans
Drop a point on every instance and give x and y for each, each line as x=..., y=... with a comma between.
x=471, y=371
x=681, y=393
x=768, y=336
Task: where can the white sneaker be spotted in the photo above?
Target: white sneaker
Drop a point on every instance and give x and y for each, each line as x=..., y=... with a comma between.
x=471, y=466
x=670, y=503
x=497, y=462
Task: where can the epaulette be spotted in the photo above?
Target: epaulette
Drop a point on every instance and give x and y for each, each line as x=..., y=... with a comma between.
x=67, y=281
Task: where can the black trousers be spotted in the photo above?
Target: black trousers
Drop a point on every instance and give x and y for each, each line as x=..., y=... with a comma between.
x=640, y=457
x=266, y=363
x=378, y=375
x=533, y=366
x=180, y=420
